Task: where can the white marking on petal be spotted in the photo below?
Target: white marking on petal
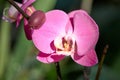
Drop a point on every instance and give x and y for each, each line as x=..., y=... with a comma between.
x=65, y=45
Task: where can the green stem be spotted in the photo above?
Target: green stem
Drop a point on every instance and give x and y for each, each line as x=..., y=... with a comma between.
x=18, y=8
x=101, y=62
x=45, y=5
x=4, y=46
x=87, y=5
x=58, y=71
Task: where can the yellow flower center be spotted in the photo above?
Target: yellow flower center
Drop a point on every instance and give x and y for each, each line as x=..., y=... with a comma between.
x=30, y=10
x=64, y=45
x=67, y=44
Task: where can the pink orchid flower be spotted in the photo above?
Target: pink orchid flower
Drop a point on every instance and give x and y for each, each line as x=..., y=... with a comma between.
x=14, y=16
x=74, y=34
x=10, y=14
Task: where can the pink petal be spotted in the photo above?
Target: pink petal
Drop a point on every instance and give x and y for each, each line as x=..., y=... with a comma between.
x=49, y=58
x=85, y=31
x=18, y=20
x=19, y=16
x=10, y=14
x=28, y=30
x=13, y=12
x=7, y=19
x=69, y=28
x=30, y=10
x=27, y=3
x=24, y=1
x=89, y=59
x=54, y=26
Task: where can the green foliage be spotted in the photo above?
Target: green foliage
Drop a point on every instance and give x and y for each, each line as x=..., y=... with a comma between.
x=44, y=5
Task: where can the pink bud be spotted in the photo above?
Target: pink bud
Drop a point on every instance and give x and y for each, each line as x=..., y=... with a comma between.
x=37, y=19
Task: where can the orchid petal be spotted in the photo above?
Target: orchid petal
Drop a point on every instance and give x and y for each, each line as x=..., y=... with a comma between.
x=13, y=11
x=28, y=30
x=16, y=14
x=10, y=14
x=27, y=3
x=69, y=28
x=23, y=7
x=30, y=10
x=7, y=19
x=85, y=31
x=18, y=20
x=49, y=58
x=53, y=27
x=89, y=59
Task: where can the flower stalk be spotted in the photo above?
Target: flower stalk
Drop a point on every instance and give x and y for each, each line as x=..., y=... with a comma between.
x=4, y=46
x=86, y=73
x=101, y=62
x=87, y=5
x=59, y=77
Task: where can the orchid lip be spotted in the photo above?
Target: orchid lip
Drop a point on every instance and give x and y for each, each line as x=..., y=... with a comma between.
x=65, y=45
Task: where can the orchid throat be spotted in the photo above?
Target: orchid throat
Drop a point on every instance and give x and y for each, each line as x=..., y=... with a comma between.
x=64, y=45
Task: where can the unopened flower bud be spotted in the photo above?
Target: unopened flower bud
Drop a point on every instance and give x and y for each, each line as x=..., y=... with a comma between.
x=37, y=19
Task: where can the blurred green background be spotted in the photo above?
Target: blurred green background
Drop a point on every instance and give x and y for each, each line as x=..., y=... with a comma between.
x=18, y=55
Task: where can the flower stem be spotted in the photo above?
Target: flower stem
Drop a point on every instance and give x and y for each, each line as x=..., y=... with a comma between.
x=18, y=8
x=58, y=71
x=4, y=46
x=86, y=73
x=101, y=62
x=87, y=5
